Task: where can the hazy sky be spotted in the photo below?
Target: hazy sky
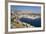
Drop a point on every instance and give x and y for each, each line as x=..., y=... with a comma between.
x=34, y=9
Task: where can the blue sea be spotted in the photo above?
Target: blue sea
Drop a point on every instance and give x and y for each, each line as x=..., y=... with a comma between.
x=34, y=22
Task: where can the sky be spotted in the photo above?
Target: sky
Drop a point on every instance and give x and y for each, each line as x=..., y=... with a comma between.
x=34, y=9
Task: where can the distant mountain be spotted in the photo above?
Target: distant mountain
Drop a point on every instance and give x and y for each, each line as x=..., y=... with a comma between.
x=25, y=12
